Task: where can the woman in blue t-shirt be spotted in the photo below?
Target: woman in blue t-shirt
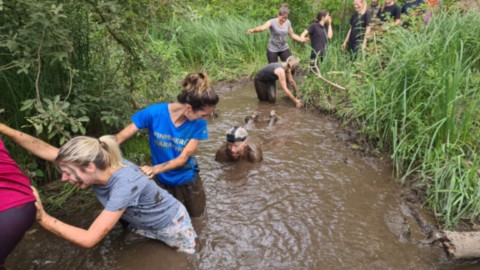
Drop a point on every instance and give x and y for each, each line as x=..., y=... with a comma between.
x=279, y=28
x=175, y=130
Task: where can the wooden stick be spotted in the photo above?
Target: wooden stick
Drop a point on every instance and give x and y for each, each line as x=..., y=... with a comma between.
x=317, y=72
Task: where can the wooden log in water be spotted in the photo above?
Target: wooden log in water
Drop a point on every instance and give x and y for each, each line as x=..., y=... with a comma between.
x=460, y=245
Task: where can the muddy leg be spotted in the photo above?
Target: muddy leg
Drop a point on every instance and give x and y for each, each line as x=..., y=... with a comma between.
x=273, y=118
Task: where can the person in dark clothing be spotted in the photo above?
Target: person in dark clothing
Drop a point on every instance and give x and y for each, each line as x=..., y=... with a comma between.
x=411, y=4
x=390, y=9
x=265, y=80
x=374, y=7
x=359, y=28
x=320, y=31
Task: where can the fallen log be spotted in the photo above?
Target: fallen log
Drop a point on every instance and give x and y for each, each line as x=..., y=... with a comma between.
x=460, y=245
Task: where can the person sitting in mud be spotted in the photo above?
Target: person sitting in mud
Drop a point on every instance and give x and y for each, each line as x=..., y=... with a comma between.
x=239, y=147
x=265, y=80
x=125, y=192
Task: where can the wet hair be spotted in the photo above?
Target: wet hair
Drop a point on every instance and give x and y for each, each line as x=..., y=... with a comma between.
x=83, y=150
x=197, y=92
x=320, y=15
x=292, y=62
x=283, y=10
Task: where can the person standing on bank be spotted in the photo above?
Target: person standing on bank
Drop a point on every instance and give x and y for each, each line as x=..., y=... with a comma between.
x=175, y=130
x=17, y=204
x=279, y=28
x=120, y=186
x=359, y=28
x=239, y=147
x=265, y=80
x=320, y=31
x=390, y=9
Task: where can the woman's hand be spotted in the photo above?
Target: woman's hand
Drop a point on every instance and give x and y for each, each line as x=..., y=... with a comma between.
x=148, y=171
x=38, y=204
x=298, y=103
x=250, y=31
x=344, y=46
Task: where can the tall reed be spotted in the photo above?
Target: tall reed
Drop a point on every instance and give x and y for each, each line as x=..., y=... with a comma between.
x=421, y=101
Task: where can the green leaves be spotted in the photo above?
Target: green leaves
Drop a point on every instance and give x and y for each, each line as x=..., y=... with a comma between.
x=56, y=118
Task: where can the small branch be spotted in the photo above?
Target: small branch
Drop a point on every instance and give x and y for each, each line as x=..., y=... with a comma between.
x=39, y=59
x=343, y=73
x=70, y=84
x=317, y=72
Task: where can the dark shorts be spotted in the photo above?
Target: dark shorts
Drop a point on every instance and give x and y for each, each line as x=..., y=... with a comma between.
x=266, y=91
x=191, y=195
x=272, y=57
x=14, y=222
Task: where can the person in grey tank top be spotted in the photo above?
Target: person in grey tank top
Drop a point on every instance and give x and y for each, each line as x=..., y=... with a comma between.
x=279, y=27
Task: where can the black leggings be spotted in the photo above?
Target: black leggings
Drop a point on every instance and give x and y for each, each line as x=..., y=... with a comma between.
x=14, y=222
x=266, y=91
x=272, y=57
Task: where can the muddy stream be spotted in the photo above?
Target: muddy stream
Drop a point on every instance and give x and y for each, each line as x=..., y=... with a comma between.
x=313, y=203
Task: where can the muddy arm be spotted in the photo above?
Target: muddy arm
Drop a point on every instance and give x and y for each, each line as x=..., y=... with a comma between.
x=102, y=225
x=34, y=145
x=126, y=133
x=221, y=155
x=280, y=72
x=177, y=162
x=255, y=153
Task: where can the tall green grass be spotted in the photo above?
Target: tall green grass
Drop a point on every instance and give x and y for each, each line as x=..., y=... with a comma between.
x=419, y=97
x=219, y=45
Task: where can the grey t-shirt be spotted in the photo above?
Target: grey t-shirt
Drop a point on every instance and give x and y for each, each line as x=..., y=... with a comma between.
x=278, y=36
x=148, y=206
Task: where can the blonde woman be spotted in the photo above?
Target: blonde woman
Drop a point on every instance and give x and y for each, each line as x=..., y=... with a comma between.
x=279, y=28
x=265, y=80
x=359, y=28
x=175, y=130
x=122, y=188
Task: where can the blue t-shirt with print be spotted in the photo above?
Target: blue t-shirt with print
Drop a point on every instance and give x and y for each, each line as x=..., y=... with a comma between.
x=147, y=205
x=168, y=141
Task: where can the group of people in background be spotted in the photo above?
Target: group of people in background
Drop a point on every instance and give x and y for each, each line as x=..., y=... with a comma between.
x=161, y=209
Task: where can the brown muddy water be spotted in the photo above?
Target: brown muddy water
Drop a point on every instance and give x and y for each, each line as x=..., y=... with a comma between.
x=313, y=203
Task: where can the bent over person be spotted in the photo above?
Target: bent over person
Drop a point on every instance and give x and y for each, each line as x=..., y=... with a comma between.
x=122, y=188
x=265, y=80
x=239, y=147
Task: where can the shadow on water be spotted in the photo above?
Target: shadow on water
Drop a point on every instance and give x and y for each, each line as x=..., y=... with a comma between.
x=311, y=204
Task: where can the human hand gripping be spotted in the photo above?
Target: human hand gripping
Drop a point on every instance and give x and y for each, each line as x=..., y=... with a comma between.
x=149, y=171
x=298, y=103
x=38, y=204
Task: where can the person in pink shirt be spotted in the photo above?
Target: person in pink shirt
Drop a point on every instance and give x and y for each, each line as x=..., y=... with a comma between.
x=17, y=204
